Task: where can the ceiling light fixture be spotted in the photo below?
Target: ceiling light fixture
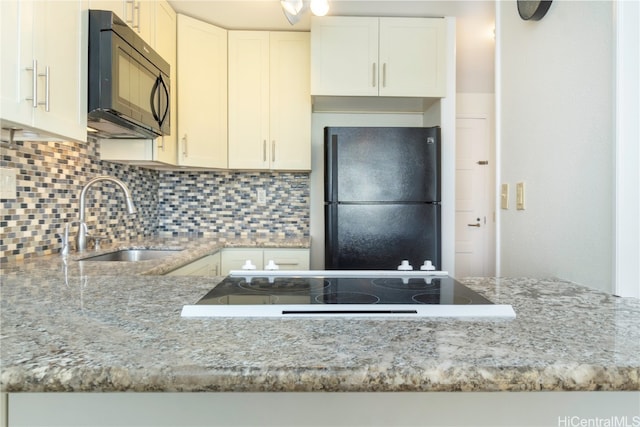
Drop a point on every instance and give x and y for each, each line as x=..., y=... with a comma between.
x=294, y=9
x=319, y=7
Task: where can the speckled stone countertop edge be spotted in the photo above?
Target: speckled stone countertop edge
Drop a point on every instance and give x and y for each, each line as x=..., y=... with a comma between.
x=189, y=248
x=69, y=331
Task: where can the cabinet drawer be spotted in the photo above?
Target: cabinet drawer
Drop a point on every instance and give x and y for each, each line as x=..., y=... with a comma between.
x=288, y=259
x=234, y=259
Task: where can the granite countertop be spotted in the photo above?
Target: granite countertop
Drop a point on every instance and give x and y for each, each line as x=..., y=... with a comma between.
x=79, y=327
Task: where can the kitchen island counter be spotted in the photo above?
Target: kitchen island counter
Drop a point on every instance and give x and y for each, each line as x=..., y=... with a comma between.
x=71, y=328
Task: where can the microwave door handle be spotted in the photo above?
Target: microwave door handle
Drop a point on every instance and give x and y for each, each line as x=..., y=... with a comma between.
x=152, y=99
x=166, y=97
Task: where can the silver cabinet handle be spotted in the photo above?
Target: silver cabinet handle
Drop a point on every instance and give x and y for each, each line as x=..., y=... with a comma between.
x=184, y=146
x=126, y=10
x=161, y=143
x=34, y=83
x=384, y=75
x=374, y=80
x=264, y=150
x=273, y=151
x=137, y=15
x=126, y=15
x=46, y=89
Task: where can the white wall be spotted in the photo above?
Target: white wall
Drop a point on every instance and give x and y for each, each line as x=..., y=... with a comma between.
x=555, y=133
x=627, y=222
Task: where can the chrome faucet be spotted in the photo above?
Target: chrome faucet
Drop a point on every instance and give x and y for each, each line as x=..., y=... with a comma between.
x=81, y=237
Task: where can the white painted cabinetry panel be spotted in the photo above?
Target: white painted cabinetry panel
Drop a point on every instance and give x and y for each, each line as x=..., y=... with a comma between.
x=269, y=102
x=344, y=56
x=286, y=259
x=44, y=75
x=412, y=57
x=138, y=14
x=363, y=56
x=202, y=94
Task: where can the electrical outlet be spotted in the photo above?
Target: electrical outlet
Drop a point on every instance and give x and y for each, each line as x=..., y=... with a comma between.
x=520, y=196
x=7, y=183
x=261, y=196
x=504, y=196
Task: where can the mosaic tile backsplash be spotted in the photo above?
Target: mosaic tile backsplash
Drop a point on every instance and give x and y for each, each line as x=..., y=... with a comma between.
x=50, y=176
x=227, y=203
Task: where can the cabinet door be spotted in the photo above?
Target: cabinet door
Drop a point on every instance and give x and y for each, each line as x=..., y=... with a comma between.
x=202, y=89
x=269, y=101
x=249, y=140
x=52, y=99
x=115, y=6
x=344, y=56
x=234, y=259
x=137, y=14
x=165, y=147
x=63, y=88
x=144, y=20
x=290, y=101
x=412, y=57
x=288, y=259
x=16, y=81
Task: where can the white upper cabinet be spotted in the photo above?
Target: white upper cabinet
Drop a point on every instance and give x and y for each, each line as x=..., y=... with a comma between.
x=43, y=85
x=358, y=56
x=166, y=147
x=138, y=14
x=202, y=94
x=412, y=57
x=269, y=100
x=344, y=56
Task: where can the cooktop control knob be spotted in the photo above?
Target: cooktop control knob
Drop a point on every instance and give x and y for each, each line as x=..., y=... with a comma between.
x=271, y=265
x=428, y=265
x=404, y=265
x=248, y=265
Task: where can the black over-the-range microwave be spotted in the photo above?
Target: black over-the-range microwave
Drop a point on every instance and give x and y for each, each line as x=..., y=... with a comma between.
x=129, y=86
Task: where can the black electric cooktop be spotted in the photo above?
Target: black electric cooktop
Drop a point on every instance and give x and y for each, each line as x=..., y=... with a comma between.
x=349, y=296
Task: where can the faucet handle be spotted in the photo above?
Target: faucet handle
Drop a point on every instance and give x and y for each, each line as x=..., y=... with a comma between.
x=64, y=250
x=97, y=240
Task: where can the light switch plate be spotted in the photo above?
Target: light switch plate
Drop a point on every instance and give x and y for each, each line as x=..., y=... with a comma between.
x=504, y=196
x=8, y=183
x=261, y=196
x=520, y=196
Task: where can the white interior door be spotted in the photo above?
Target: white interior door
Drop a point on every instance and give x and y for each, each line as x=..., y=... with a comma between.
x=474, y=209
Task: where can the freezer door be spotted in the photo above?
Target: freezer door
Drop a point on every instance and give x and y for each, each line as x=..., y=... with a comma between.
x=382, y=164
x=380, y=236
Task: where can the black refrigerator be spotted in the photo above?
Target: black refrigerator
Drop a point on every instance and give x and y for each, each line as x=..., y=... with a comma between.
x=382, y=197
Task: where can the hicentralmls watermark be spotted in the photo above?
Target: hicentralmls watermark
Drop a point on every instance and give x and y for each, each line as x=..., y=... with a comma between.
x=613, y=421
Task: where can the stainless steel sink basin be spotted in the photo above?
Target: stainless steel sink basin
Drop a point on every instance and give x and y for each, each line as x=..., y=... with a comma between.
x=133, y=255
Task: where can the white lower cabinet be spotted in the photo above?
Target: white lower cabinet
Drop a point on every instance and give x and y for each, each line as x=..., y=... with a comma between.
x=286, y=259
x=221, y=263
x=205, y=266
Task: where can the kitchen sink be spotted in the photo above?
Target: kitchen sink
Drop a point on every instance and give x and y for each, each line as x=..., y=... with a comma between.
x=133, y=255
